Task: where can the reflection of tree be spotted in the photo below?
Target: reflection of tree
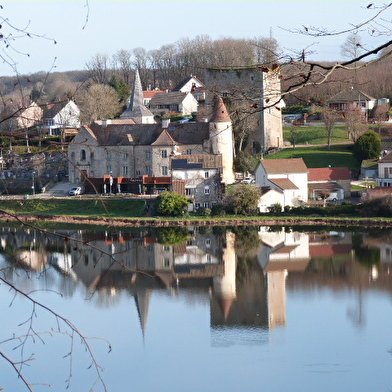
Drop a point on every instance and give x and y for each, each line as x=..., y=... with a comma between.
x=365, y=255
x=172, y=236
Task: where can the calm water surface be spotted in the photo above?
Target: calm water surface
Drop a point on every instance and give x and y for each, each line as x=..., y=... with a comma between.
x=217, y=309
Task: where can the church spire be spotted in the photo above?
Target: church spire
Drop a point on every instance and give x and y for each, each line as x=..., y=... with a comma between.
x=136, y=109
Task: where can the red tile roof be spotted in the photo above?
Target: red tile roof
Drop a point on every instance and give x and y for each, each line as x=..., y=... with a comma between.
x=150, y=94
x=329, y=173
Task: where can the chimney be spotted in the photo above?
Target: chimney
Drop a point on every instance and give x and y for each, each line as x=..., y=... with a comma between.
x=106, y=122
x=165, y=123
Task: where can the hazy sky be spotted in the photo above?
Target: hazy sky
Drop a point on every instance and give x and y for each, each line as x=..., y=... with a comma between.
x=83, y=28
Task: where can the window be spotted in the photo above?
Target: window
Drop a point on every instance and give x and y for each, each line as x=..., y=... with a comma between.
x=206, y=174
x=82, y=155
x=197, y=206
x=125, y=171
x=188, y=151
x=138, y=173
x=167, y=262
x=208, y=241
x=206, y=190
x=164, y=153
x=206, y=205
x=164, y=170
x=189, y=191
x=148, y=170
x=125, y=155
x=147, y=154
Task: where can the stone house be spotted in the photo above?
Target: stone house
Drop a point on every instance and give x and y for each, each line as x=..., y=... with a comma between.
x=255, y=93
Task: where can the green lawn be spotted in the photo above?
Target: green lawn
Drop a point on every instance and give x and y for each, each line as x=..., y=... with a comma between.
x=315, y=134
x=76, y=207
x=320, y=156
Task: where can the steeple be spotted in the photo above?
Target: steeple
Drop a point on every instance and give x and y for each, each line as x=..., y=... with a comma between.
x=136, y=109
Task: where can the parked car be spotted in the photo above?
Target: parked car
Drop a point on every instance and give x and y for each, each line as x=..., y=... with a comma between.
x=77, y=190
x=249, y=180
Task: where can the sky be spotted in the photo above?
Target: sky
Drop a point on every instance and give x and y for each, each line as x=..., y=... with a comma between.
x=83, y=28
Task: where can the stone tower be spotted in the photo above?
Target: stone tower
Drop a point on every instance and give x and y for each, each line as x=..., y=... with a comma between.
x=136, y=110
x=221, y=139
x=254, y=92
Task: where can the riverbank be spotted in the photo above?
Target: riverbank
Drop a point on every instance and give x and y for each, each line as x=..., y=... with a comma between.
x=32, y=219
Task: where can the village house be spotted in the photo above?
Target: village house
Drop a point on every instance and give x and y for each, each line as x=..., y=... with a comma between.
x=384, y=178
x=22, y=117
x=325, y=181
x=175, y=101
x=283, y=181
x=352, y=99
x=60, y=116
x=192, y=85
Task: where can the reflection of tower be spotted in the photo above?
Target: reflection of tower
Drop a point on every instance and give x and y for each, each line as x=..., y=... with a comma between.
x=281, y=252
x=276, y=297
x=224, y=286
x=142, y=300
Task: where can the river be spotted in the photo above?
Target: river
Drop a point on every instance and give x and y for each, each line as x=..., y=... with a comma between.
x=196, y=309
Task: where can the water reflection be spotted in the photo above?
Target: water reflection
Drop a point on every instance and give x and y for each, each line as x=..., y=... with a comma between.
x=243, y=271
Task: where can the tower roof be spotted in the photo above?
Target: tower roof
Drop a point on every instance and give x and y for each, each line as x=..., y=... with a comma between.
x=220, y=113
x=136, y=109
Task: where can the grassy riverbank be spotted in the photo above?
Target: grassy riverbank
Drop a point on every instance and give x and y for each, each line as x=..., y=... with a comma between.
x=133, y=213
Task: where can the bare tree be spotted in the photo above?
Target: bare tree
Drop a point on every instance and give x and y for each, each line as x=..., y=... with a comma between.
x=99, y=68
x=330, y=117
x=98, y=102
x=355, y=122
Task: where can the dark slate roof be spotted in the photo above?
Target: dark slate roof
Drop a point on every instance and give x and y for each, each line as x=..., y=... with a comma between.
x=185, y=81
x=170, y=98
x=147, y=134
x=183, y=164
x=350, y=96
x=52, y=109
x=386, y=144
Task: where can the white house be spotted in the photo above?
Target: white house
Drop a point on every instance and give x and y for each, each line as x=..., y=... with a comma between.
x=385, y=171
x=175, y=101
x=193, y=85
x=60, y=115
x=287, y=177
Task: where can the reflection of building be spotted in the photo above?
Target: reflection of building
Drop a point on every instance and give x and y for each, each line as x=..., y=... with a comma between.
x=282, y=252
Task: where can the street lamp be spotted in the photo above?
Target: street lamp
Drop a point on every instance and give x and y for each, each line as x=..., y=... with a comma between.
x=33, y=186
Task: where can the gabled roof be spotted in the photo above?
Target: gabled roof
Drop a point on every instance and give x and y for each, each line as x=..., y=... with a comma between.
x=284, y=166
x=350, y=95
x=329, y=173
x=387, y=158
x=164, y=139
x=185, y=81
x=283, y=183
x=147, y=134
x=170, y=98
x=52, y=109
x=150, y=93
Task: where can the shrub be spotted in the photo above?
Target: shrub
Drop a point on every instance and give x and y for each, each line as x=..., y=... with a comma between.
x=218, y=210
x=203, y=211
x=171, y=204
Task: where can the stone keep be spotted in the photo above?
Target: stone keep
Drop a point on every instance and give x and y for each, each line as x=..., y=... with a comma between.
x=254, y=90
